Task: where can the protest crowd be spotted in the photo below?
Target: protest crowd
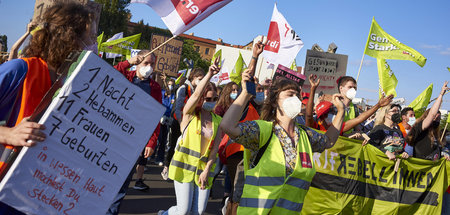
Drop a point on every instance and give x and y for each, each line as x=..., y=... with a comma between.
x=262, y=135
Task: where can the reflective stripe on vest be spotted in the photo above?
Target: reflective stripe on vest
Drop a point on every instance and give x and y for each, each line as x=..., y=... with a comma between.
x=267, y=189
x=188, y=163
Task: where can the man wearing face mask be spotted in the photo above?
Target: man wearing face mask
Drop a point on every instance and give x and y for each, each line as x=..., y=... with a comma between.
x=347, y=88
x=408, y=120
x=141, y=78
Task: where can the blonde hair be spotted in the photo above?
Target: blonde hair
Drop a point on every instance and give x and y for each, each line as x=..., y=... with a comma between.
x=380, y=115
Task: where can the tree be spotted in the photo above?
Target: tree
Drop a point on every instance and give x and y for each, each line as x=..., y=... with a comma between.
x=114, y=17
x=4, y=42
x=147, y=32
x=190, y=53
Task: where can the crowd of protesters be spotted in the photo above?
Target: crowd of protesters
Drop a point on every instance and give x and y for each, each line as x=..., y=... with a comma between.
x=267, y=138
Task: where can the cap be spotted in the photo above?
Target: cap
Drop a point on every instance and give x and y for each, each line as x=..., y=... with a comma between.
x=323, y=108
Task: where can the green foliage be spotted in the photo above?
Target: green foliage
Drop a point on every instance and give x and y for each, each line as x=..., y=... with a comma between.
x=190, y=53
x=114, y=17
x=4, y=41
x=147, y=32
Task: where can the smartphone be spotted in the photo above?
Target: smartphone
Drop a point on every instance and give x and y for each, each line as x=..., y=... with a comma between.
x=251, y=88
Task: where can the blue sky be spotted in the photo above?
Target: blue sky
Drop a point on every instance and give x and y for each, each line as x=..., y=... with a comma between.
x=421, y=25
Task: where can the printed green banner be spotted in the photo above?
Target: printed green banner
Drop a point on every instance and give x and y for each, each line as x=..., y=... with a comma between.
x=236, y=74
x=382, y=45
x=355, y=179
x=388, y=81
x=420, y=104
x=121, y=46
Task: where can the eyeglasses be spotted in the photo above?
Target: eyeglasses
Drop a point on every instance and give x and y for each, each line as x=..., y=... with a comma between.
x=211, y=99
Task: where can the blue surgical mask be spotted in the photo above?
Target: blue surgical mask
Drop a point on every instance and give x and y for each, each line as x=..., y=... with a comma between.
x=209, y=106
x=411, y=121
x=233, y=96
x=259, y=99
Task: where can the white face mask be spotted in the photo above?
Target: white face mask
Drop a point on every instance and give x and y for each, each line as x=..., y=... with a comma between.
x=145, y=71
x=259, y=99
x=209, y=106
x=411, y=121
x=292, y=106
x=195, y=82
x=170, y=87
x=351, y=93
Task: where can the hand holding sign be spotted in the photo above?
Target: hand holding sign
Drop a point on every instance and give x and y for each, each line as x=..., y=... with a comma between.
x=25, y=130
x=246, y=78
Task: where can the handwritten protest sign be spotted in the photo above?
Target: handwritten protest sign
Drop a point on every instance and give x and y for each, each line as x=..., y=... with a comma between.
x=285, y=72
x=326, y=66
x=40, y=6
x=96, y=127
x=168, y=56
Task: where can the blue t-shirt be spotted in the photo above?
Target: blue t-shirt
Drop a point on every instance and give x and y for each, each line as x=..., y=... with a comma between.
x=168, y=102
x=12, y=75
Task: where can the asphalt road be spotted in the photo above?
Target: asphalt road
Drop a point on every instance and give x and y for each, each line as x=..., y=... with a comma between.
x=161, y=195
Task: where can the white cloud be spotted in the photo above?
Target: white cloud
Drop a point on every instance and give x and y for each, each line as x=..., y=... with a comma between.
x=428, y=46
x=367, y=62
x=446, y=52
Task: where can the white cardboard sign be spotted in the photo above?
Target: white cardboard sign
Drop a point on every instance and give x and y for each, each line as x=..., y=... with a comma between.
x=96, y=127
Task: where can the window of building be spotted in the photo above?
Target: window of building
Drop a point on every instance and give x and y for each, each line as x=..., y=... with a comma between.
x=197, y=48
x=207, y=51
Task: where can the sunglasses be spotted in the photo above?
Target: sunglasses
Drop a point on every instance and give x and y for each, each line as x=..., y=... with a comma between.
x=211, y=99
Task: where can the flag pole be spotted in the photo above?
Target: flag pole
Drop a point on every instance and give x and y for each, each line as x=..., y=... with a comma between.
x=365, y=47
x=164, y=43
x=437, y=97
x=445, y=128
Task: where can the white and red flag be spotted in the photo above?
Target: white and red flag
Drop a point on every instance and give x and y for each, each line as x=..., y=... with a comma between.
x=181, y=15
x=283, y=44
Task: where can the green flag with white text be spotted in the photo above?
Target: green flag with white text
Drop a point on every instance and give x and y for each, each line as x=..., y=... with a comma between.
x=236, y=74
x=382, y=45
x=420, y=104
x=121, y=46
x=388, y=81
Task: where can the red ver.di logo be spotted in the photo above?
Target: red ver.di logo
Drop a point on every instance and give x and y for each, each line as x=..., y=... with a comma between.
x=273, y=38
x=306, y=161
x=189, y=9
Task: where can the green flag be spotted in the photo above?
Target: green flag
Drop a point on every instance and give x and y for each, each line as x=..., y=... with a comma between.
x=382, y=45
x=122, y=45
x=218, y=54
x=236, y=74
x=178, y=80
x=100, y=40
x=387, y=79
x=421, y=102
x=294, y=66
x=448, y=118
x=448, y=69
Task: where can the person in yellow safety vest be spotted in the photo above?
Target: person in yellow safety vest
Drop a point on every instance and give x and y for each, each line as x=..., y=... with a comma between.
x=278, y=183
x=192, y=164
x=347, y=89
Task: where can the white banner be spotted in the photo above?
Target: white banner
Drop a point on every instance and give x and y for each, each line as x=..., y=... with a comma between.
x=181, y=15
x=115, y=37
x=96, y=127
x=283, y=44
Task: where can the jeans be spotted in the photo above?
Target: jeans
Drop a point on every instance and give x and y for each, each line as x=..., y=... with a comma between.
x=190, y=199
x=162, y=141
x=446, y=204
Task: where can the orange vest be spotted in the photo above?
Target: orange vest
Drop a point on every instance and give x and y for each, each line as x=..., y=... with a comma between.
x=232, y=148
x=36, y=84
x=402, y=128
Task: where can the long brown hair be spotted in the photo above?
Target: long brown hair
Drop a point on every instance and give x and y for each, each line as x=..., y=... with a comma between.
x=268, y=111
x=433, y=133
x=209, y=87
x=63, y=25
x=225, y=100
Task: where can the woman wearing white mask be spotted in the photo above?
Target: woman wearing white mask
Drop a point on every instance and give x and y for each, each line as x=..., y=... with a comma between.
x=196, y=152
x=281, y=150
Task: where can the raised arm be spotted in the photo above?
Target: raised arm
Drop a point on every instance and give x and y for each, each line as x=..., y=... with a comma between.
x=257, y=50
x=365, y=115
x=334, y=129
x=435, y=108
x=15, y=48
x=195, y=97
x=314, y=82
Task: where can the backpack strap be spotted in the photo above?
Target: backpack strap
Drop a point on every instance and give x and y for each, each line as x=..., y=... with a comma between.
x=261, y=151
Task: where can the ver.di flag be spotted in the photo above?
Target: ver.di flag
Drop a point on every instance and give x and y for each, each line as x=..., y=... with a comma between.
x=421, y=102
x=387, y=79
x=236, y=74
x=121, y=46
x=283, y=44
x=382, y=45
x=181, y=15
